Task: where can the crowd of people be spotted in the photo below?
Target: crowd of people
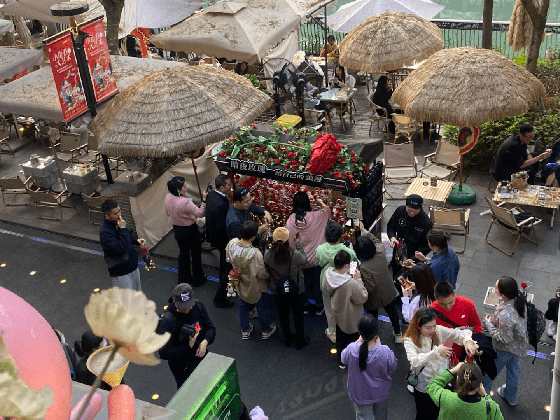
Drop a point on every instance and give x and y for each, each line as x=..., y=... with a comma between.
x=309, y=268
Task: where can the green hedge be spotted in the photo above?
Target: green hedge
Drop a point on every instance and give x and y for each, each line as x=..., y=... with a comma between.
x=546, y=123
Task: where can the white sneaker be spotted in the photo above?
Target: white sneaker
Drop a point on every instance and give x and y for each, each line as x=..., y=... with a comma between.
x=267, y=335
x=331, y=335
x=410, y=389
x=398, y=338
x=552, y=328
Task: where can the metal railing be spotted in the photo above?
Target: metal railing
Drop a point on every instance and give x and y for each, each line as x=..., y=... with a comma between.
x=455, y=33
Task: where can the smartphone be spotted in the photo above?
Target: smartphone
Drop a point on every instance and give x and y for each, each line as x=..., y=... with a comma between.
x=353, y=267
x=448, y=343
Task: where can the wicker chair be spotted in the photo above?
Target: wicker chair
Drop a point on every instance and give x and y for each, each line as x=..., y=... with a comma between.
x=375, y=116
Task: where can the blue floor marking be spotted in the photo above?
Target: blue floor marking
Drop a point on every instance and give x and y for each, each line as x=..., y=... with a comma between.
x=86, y=250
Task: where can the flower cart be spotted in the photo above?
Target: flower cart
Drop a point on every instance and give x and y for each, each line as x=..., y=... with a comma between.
x=276, y=164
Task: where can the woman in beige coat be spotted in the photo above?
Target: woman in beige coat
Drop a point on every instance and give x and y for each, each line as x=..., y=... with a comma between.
x=252, y=288
x=348, y=296
x=377, y=280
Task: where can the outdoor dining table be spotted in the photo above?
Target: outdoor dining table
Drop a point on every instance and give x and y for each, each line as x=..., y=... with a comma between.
x=43, y=171
x=534, y=196
x=15, y=61
x=81, y=178
x=6, y=26
x=438, y=194
x=341, y=100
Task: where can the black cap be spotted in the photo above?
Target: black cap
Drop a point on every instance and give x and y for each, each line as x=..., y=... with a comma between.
x=183, y=296
x=239, y=193
x=414, y=201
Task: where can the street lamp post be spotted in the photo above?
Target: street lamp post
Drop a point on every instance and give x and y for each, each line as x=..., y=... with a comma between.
x=71, y=9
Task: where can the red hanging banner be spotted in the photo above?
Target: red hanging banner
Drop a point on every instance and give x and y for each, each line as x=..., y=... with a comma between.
x=99, y=61
x=67, y=77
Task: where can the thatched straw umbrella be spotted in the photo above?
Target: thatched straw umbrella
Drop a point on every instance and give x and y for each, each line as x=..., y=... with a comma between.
x=520, y=26
x=467, y=86
x=389, y=42
x=176, y=110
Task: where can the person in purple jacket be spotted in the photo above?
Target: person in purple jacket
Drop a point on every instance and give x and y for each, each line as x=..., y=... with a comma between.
x=370, y=366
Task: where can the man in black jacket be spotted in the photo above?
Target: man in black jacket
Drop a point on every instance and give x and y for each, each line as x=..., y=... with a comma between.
x=513, y=156
x=410, y=224
x=117, y=242
x=191, y=329
x=217, y=205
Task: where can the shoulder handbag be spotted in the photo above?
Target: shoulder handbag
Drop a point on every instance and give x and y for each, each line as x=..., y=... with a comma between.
x=412, y=377
x=285, y=285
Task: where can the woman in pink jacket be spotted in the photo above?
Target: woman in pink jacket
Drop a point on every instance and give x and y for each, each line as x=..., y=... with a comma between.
x=311, y=228
x=183, y=213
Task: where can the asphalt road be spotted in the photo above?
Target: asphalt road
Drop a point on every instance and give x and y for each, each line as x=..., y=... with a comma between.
x=286, y=383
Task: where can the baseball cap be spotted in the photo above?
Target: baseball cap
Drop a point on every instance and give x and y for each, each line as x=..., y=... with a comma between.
x=281, y=234
x=414, y=201
x=239, y=193
x=183, y=296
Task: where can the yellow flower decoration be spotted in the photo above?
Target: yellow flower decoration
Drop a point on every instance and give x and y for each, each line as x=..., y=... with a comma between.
x=128, y=319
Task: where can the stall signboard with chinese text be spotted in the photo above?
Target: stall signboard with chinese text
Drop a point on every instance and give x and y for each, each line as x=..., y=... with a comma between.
x=99, y=60
x=67, y=77
x=261, y=170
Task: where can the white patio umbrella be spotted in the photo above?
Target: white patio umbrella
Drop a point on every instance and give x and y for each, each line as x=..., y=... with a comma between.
x=136, y=13
x=242, y=31
x=351, y=14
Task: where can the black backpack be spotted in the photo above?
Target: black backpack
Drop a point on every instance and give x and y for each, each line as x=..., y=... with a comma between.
x=536, y=324
x=286, y=285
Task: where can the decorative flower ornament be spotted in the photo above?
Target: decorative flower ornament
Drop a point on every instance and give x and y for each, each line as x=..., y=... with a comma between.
x=128, y=320
x=299, y=58
x=17, y=399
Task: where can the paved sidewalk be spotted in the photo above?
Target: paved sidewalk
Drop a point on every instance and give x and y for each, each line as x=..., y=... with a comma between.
x=481, y=264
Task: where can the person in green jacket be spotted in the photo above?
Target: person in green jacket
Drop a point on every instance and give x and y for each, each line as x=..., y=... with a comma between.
x=325, y=257
x=469, y=401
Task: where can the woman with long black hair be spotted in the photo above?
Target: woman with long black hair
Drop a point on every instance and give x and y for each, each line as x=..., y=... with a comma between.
x=183, y=213
x=508, y=329
x=310, y=226
x=420, y=292
x=381, y=96
x=282, y=262
x=370, y=366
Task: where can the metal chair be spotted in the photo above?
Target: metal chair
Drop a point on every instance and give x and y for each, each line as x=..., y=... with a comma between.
x=399, y=163
x=91, y=154
x=375, y=116
x=41, y=198
x=14, y=186
x=443, y=163
x=69, y=146
x=94, y=206
x=505, y=219
x=452, y=221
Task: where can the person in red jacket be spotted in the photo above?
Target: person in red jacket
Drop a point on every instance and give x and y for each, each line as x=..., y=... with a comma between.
x=455, y=311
